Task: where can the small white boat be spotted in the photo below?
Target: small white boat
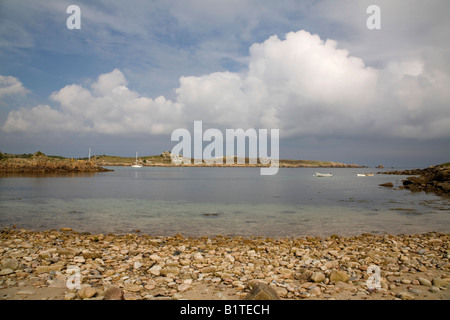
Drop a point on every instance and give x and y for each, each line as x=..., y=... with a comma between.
x=318, y=174
x=365, y=174
x=136, y=165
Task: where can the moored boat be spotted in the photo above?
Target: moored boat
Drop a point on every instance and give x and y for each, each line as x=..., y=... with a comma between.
x=136, y=165
x=318, y=174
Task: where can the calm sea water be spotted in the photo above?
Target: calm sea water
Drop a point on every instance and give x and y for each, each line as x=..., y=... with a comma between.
x=226, y=201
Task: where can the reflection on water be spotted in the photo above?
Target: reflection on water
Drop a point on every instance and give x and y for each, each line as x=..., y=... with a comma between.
x=227, y=201
x=47, y=175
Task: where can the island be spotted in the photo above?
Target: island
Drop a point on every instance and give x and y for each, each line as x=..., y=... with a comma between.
x=41, y=163
x=165, y=160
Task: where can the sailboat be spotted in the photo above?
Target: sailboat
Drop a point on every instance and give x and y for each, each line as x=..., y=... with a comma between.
x=136, y=165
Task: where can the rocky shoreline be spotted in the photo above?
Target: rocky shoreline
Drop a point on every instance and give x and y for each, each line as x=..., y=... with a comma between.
x=434, y=179
x=64, y=264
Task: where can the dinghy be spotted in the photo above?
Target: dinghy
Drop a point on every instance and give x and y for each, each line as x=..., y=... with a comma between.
x=318, y=174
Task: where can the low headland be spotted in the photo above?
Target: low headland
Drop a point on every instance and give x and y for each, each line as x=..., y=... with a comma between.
x=64, y=264
x=39, y=163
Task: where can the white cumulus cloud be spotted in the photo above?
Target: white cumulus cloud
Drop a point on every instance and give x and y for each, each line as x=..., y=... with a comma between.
x=301, y=84
x=10, y=85
x=107, y=107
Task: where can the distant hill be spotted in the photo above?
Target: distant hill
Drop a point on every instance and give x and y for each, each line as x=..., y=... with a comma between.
x=41, y=162
x=164, y=159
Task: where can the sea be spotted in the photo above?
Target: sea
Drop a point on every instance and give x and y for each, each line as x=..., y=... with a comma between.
x=211, y=201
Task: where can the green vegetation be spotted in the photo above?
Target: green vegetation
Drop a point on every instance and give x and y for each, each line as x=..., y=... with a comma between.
x=40, y=163
x=447, y=164
x=28, y=156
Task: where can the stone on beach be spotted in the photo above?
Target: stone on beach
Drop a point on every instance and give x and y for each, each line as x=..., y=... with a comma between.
x=130, y=266
x=113, y=293
x=5, y=272
x=155, y=270
x=405, y=296
x=12, y=264
x=261, y=291
x=438, y=282
x=87, y=292
x=183, y=287
x=337, y=275
x=133, y=287
x=317, y=277
x=424, y=281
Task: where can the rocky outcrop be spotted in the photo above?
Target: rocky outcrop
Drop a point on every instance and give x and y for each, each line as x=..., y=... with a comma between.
x=387, y=184
x=434, y=179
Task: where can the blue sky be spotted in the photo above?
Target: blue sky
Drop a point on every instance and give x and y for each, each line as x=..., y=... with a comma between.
x=137, y=70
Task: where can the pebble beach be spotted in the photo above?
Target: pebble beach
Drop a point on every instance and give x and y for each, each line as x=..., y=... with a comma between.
x=67, y=265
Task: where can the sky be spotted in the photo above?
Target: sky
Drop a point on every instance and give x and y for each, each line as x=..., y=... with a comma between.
x=137, y=70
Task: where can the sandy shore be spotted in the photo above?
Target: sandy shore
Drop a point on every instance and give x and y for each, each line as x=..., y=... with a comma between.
x=63, y=264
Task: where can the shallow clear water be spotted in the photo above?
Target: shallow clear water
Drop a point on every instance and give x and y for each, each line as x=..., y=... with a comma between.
x=228, y=201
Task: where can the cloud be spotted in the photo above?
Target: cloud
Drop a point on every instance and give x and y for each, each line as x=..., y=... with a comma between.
x=306, y=86
x=301, y=84
x=107, y=107
x=11, y=86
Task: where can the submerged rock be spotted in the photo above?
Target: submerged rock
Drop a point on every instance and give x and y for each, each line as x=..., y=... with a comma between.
x=387, y=184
